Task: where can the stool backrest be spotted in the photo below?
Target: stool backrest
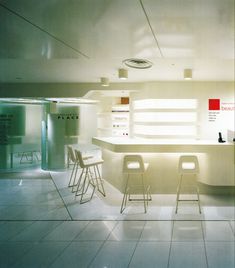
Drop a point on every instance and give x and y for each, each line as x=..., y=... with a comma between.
x=79, y=158
x=71, y=155
x=133, y=164
x=188, y=164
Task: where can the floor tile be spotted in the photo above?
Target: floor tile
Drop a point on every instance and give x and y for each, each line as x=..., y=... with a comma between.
x=66, y=231
x=219, y=212
x=114, y=254
x=36, y=231
x=89, y=211
x=187, y=254
x=127, y=230
x=232, y=224
x=187, y=231
x=77, y=254
x=151, y=254
x=157, y=231
x=11, y=252
x=34, y=212
x=188, y=211
x=137, y=239
x=12, y=228
x=217, y=231
x=11, y=212
x=56, y=213
x=220, y=254
x=96, y=230
x=42, y=254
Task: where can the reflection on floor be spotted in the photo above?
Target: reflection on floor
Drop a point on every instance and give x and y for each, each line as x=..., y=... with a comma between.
x=43, y=225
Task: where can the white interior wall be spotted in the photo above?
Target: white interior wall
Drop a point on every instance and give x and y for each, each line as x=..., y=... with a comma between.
x=184, y=89
x=88, y=122
x=202, y=91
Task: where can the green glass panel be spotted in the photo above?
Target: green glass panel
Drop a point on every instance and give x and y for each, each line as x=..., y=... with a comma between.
x=12, y=120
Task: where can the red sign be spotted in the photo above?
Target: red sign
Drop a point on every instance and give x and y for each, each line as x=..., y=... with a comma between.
x=214, y=104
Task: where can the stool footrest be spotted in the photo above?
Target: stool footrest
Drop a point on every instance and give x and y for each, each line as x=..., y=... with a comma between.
x=140, y=199
x=188, y=200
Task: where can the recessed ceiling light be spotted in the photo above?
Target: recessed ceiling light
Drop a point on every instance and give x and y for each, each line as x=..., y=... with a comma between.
x=138, y=63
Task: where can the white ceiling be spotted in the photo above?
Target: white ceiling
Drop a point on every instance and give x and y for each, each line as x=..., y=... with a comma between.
x=83, y=40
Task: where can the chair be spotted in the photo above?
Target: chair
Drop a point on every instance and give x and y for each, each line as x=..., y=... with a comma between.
x=89, y=176
x=188, y=165
x=72, y=161
x=133, y=165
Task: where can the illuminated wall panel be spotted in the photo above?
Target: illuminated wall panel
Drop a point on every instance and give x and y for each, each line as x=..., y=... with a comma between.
x=165, y=118
x=165, y=104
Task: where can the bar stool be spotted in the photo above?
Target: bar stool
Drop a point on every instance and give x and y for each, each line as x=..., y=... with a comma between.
x=188, y=165
x=90, y=176
x=134, y=165
x=71, y=161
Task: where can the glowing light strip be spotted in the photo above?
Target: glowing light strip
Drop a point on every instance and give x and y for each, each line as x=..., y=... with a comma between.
x=165, y=117
x=165, y=130
x=165, y=104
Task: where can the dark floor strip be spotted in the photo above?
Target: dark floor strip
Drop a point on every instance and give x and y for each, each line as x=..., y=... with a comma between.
x=71, y=218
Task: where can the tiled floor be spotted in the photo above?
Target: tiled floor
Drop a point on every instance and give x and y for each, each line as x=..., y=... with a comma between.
x=117, y=244
x=42, y=225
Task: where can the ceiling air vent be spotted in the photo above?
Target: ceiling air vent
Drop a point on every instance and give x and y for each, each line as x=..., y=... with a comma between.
x=138, y=63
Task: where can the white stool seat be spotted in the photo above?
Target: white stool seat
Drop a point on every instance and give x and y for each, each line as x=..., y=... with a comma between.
x=188, y=164
x=134, y=165
x=92, y=162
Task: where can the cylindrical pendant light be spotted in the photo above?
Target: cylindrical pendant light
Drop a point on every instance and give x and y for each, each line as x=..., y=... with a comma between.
x=122, y=74
x=187, y=74
x=104, y=81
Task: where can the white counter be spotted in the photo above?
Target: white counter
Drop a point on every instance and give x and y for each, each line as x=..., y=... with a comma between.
x=216, y=160
x=120, y=145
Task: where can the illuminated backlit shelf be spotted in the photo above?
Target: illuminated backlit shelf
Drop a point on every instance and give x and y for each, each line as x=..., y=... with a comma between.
x=171, y=118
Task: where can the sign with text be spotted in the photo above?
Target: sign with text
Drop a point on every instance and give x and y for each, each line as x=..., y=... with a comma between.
x=216, y=107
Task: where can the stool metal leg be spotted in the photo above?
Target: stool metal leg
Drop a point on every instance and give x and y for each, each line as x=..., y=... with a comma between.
x=71, y=176
x=199, y=204
x=127, y=195
x=99, y=180
x=89, y=182
x=178, y=194
x=79, y=184
x=149, y=197
x=124, y=200
x=143, y=189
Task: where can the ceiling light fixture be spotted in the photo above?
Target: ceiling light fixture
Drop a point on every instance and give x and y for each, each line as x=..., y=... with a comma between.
x=138, y=63
x=104, y=81
x=122, y=74
x=187, y=74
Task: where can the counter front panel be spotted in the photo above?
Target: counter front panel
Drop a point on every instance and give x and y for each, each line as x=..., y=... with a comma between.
x=216, y=161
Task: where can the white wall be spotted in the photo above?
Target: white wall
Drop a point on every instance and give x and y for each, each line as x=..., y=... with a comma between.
x=184, y=89
x=88, y=123
x=202, y=91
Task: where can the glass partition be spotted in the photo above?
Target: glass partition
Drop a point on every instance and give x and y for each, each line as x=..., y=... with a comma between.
x=20, y=135
x=63, y=125
x=38, y=134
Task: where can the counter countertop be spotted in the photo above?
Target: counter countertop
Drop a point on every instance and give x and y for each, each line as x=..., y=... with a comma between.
x=116, y=144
